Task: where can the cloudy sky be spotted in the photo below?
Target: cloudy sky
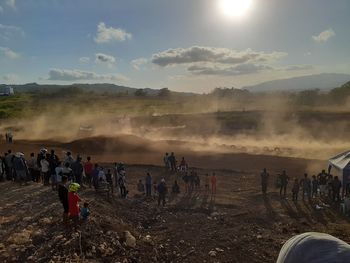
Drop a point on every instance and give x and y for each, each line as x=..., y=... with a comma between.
x=185, y=45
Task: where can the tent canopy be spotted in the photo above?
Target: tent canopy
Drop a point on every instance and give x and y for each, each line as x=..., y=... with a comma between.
x=341, y=161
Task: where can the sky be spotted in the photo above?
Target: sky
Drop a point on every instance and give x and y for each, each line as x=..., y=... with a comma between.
x=184, y=45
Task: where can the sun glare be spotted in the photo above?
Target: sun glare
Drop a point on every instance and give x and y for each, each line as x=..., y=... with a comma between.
x=235, y=8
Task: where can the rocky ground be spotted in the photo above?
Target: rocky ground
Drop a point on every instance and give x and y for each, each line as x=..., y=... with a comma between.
x=236, y=225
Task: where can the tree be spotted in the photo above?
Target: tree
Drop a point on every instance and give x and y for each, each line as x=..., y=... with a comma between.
x=165, y=92
x=140, y=93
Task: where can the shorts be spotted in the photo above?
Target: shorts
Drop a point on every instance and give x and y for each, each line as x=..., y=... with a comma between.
x=65, y=208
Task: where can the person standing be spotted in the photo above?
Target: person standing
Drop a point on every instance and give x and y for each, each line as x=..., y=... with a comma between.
x=33, y=167
x=148, y=183
x=284, y=182
x=213, y=184
x=206, y=184
x=295, y=190
x=314, y=186
x=264, y=180
x=9, y=165
x=166, y=161
x=53, y=163
x=20, y=167
x=162, y=191
x=336, y=185
x=77, y=169
x=306, y=186
x=45, y=169
x=63, y=196
x=172, y=160
x=88, y=167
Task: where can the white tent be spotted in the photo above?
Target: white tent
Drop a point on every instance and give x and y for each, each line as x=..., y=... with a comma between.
x=340, y=166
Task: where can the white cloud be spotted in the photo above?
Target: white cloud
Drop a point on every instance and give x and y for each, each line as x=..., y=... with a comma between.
x=11, y=3
x=110, y=34
x=137, y=63
x=84, y=60
x=10, y=78
x=211, y=54
x=324, y=36
x=8, y=31
x=75, y=74
x=7, y=52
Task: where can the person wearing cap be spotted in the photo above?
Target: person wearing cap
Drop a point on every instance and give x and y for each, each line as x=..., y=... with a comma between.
x=162, y=190
x=73, y=203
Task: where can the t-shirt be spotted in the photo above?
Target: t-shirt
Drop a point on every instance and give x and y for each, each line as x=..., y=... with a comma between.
x=88, y=168
x=73, y=200
x=44, y=165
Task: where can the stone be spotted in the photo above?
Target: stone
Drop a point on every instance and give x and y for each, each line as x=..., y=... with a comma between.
x=130, y=240
x=212, y=253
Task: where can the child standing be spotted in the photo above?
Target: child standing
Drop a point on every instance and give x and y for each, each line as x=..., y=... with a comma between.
x=73, y=201
x=295, y=190
x=85, y=212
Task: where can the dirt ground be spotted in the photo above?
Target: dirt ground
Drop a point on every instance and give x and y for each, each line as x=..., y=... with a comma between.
x=238, y=223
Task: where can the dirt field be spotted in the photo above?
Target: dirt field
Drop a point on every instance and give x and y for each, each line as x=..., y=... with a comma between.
x=238, y=223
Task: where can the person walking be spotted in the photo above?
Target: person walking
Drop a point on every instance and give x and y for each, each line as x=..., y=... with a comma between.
x=88, y=167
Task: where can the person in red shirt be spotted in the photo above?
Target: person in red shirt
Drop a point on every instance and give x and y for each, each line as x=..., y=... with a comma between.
x=88, y=167
x=213, y=184
x=73, y=203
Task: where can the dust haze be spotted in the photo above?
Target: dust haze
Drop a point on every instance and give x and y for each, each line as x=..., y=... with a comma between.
x=269, y=126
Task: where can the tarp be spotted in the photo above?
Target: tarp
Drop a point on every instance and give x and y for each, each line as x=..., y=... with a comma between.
x=341, y=163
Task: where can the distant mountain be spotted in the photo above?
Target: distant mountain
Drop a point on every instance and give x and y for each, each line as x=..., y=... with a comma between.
x=325, y=81
x=97, y=88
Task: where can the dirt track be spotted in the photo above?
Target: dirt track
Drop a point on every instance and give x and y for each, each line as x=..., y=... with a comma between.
x=239, y=222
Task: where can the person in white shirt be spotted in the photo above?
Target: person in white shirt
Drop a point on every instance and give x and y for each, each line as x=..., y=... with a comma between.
x=45, y=171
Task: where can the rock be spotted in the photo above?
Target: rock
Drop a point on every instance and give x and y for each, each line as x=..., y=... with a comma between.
x=130, y=240
x=20, y=238
x=259, y=236
x=219, y=249
x=182, y=241
x=27, y=218
x=45, y=221
x=214, y=214
x=147, y=239
x=212, y=253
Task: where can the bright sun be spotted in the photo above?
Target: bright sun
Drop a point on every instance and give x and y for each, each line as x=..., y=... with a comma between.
x=235, y=8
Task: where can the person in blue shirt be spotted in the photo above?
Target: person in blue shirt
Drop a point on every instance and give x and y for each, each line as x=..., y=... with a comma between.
x=85, y=211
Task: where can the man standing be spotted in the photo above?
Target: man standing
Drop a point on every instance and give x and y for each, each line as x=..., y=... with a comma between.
x=166, y=161
x=9, y=165
x=306, y=185
x=148, y=185
x=264, y=180
x=63, y=196
x=88, y=167
x=77, y=169
x=284, y=182
x=162, y=190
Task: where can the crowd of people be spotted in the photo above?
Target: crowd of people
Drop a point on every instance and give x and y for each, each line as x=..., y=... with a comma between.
x=323, y=185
